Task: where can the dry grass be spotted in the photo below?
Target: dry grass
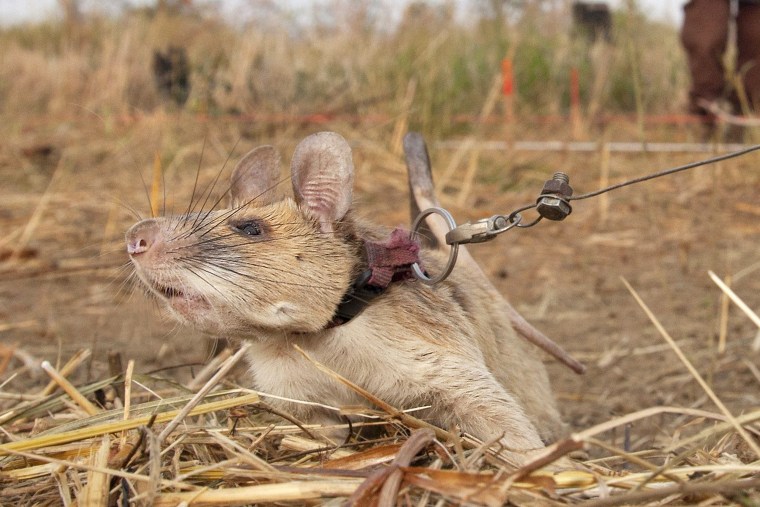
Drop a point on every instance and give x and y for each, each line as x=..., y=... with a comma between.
x=217, y=449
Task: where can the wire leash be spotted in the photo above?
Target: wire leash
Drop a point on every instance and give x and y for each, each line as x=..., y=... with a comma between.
x=553, y=203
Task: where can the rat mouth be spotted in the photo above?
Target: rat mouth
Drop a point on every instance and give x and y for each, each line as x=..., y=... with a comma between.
x=180, y=298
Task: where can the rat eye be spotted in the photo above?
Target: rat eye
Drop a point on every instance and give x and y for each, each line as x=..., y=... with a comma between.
x=247, y=227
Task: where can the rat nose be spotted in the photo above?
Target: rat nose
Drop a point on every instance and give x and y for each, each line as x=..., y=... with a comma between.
x=141, y=236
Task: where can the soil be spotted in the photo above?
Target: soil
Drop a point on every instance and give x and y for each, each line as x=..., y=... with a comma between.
x=72, y=188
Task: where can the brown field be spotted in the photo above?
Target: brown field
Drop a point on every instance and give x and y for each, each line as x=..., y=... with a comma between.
x=77, y=173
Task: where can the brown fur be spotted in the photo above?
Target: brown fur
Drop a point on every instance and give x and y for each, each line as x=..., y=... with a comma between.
x=449, y=346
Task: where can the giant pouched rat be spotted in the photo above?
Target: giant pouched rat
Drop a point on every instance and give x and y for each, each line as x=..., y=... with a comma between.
x=275, y=271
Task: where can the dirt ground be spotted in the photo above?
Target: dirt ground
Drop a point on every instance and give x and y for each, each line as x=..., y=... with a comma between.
x=70, y=190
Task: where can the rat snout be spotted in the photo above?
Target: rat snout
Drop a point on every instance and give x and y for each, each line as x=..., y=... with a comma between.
x=142, y=236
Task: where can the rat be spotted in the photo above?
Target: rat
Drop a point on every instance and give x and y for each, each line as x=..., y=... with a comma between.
x=276, y=271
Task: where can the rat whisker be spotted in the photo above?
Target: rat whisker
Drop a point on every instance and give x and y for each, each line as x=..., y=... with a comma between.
x=230, y=213
x=191, y=203
x=213, y=185
x=254, y=277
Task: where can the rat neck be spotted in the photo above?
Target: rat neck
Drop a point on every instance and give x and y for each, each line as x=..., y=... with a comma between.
x=387, y=262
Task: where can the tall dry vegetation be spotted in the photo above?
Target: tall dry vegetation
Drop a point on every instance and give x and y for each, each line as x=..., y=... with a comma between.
x=351, y=61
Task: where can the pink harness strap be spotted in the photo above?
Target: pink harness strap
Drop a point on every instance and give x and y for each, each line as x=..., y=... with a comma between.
x=392, y=260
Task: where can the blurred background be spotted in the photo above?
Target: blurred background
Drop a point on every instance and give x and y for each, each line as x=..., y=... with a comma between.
x=374, y=58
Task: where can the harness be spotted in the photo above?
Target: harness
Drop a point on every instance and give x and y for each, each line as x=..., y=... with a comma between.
x=387, y=262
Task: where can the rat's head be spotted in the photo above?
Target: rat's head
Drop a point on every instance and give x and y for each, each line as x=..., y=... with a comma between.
x=266, y=263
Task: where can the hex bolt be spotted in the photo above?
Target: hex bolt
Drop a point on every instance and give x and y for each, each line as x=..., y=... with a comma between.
x=553, y=208
x=553, y=203
x=559, y=184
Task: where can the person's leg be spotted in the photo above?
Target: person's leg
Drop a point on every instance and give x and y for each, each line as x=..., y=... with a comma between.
x=704, y=36
x=748, y=46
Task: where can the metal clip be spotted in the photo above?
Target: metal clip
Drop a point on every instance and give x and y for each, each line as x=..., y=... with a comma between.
x=483, y=230
x=478, y=232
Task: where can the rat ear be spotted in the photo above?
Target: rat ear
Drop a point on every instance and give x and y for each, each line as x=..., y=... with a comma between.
x=255, y=177
x=323, y=177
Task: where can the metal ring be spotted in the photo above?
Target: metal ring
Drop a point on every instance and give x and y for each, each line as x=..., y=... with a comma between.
x=452, y=253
